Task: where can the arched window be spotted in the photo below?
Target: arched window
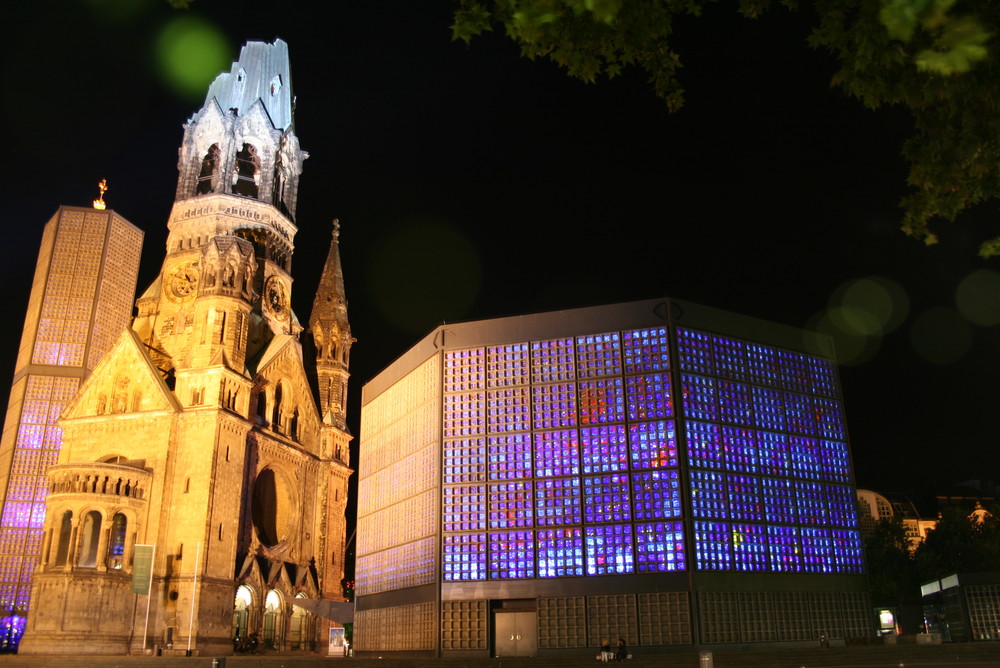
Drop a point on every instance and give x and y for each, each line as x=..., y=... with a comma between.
x=276, y=422
x=65, y=534
x=116, y=546
x=299, y=628
x=90, y=537
x=245, y=172
x=209, y=165
x=272, y=620
x=262, y=406
x=241, y=612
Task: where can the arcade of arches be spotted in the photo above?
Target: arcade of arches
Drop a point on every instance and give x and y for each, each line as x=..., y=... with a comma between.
x=275, y=621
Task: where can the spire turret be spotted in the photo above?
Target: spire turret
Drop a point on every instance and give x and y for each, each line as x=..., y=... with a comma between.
x=331, y=336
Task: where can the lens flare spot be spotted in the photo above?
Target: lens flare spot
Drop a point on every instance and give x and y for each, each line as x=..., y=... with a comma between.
x=877, y=305
x=977, y=297
x=190, y=53
x=851, y=347
x=941, y=336
x=425, y=271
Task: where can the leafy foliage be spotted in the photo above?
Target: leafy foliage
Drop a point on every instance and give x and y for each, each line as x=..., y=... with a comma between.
x=960, y=545
x=892, y=571
x=930, y=56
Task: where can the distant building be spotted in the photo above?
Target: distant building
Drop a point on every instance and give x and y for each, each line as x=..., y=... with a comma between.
x=656, y=471
x=875, y=507
x=81, y=299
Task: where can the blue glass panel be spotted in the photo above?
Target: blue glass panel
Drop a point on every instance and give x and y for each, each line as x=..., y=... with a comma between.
x=730, y=357
x=830, y=419
x=464, y=557
x=604, y=448
x=779, y=500
x=649, y=397
x=701, y=400
x=704, y=442
x=816, y=550
x=823, y=374
x=646, y=350
x=811, y=503
x=740, y=447
x=512, y=555
x=708, y=495
x=553, y=406
x=606, y=498
x=511, y=505
x=745, y=499
x=464, y=414
x=784, y=548
x=507, y=365
x=774, y=458
x=713, y=547
x=659, y=547
x=836, y=462
x=552, y=361
x=763, y=363
x=602, y=401
x=557, y=453
x=806, y=457
x=800, y=414
x=750, y=552
x=735, y=403
x=598, y=355
x=557, y=501
x=464, y=508
x=652, y=444
x=846, y=550
x=843, y=505
x=795, y=371
x=509, y=456
x=609, y=549
x=507, y=410
x=560, y=552
x=694, y=350
x=656, y=494
x=769, y=408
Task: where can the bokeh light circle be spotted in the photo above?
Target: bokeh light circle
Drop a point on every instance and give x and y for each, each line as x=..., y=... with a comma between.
x=851, y=347
x=977, y=297
x=425, y=271
x=190, y=53
x=941, y=336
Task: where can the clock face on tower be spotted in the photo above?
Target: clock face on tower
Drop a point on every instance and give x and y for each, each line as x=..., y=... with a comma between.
x=276, y=297
x=182, y=282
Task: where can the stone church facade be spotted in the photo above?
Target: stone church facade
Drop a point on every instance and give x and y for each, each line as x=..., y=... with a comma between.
x=214, y=429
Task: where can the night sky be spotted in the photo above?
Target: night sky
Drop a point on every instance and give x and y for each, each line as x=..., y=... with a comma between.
x=473, y=183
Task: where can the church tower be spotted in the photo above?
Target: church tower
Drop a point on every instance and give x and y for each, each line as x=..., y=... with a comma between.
x=199, y=436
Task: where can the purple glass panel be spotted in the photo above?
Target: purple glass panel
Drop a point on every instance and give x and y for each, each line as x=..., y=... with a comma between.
x=512, y=555
x=602, y=401
x=740, y=447
x=606, y=498
x=649, y=397
x=750, y=551
x=730, y=357
x=609, y=549
x=652, y=444
x=598, y=355
x=659, y=547
x=784, y=548
x=646, y=350
x=701, y=400
x=704, y=442
x=560, y=552
x=557, y=501
x=713, y=547
x=656, y=494
x=511, y=505
x=557, y=453
x=604, y=448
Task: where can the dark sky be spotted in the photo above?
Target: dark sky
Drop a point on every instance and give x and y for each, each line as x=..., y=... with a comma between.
x=474, y=183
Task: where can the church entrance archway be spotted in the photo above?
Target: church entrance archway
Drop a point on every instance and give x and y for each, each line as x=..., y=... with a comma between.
x=273, y=620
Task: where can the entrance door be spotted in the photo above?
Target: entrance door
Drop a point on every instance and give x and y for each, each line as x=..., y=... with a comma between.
x=516, y=633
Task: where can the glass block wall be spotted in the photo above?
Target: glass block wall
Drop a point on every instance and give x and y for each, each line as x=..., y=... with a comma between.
x=80, y=302
x=769, y=469
x=584, y=456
